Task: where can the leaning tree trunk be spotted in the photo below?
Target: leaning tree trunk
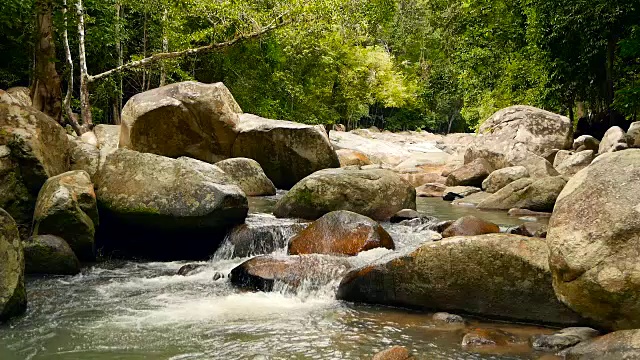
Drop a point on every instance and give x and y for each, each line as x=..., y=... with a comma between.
x=45, y=90
x=85, y=105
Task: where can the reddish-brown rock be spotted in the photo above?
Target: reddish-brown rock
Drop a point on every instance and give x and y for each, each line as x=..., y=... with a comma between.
x=470, y=226
x=394, y=353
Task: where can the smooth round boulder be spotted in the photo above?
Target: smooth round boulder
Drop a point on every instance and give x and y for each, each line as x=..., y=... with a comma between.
x=575, y=162
x=182, y=119
x=469, y=226
x=50, y=255
x=503, y=177
x=586, y=142
x=33, y=147
x=349, y=157
x=562, y=339
x=537, y=195
x=471, y=174
x=340, y=233
x=262, y=273
x=378, y=194
x=67, y=208
x=617, y=345
x=167, y=209
x=287, y=151
x=615, y=139
x=13, y=296
x=495, y=276
x=84, y=157
x=633, y=135
x=248, y=175
x=593, y=237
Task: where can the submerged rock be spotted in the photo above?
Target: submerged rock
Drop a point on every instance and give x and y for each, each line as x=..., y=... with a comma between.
x=67, y=208
x=33, y=147
x=340, y=233
x=158, y=207
x=614, y=346
x=394, y=353
x=182, y=119
x=527, y=193
x=248, y=174
x=48, y=254
x=593, y=237
x=471, y=200
x=262, y=273
x=495, y=275
x=378, y=194
x=287, y=151
x=469, y=226
x=443, y=317
x=13, y=296
x=489, y=338
x=189, y=269
x=563, y=339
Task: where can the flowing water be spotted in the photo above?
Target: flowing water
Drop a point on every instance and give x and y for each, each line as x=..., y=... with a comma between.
x=129, y=310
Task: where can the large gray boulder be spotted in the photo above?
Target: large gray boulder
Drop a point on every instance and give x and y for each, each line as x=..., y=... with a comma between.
x=182, y=119
x=471, y=174
x=378, y=194
x=496, y=276
x=615, y=139
x=593, y=236
x=287, y=151
x=613, y=346
x=575, y=162
x=67, y=208
x=527, y=193
x=586, y=142
x=165, y=208
x=33, y=147
x=633, y=135
x=13, y=297
x=503, y=177
x=523, y=127
x=248, y=174
x=108, y=139
x=84, y=157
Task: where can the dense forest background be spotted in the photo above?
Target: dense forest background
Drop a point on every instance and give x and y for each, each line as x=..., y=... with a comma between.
x=437, y=65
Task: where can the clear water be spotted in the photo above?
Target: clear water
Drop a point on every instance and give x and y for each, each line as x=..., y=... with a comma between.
x=128, y=310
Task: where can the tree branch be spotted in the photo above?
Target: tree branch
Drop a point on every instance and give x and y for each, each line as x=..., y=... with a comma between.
x=177, y=54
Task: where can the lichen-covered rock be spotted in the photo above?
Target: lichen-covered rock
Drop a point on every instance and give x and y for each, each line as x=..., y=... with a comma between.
x=182, y=119
x=575, y=162
x=287, y=151
x=67, y=208
x=527, y=193
x=13, y=296
x=378, y=194
x=340, y=233
x=469, y=226
x=262, y=272
x=519, y=127
x=503, y=177
x=248, y=174
x=165, y=208
x=495, y=275
x=471, y=174
x=85, y=157
x=615, y=139
x=349, y=157
x=613, y=346
x=16, y=96
x=48, y=254
x=593, y=236
x=33, y=147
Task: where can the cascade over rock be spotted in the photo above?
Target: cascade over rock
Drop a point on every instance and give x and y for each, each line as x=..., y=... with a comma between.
x=378, y=194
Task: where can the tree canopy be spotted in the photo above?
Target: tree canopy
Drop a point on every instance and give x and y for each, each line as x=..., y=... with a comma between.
x=438, y=65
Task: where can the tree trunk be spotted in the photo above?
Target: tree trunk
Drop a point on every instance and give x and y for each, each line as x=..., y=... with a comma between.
x=85, y=105
x=165, y=48
x=611, y=57
x=72, y=118
x=46, y=93
x=118, y=102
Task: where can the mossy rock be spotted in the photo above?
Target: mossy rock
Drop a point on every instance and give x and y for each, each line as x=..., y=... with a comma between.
x=13, y=296
x=48, y=254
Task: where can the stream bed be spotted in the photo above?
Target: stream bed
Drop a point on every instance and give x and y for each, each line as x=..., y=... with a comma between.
x=143, y=310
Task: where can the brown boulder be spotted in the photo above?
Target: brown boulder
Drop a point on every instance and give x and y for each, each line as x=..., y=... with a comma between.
x=471, y=174
x=394, y=353
x=349, y=157
x=470, y=226
x=340, y=232
x=431, y=190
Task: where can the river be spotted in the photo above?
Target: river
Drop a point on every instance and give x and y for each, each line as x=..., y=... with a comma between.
x=143, y=310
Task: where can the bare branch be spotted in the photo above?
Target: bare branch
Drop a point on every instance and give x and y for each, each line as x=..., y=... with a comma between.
x=203, y=49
